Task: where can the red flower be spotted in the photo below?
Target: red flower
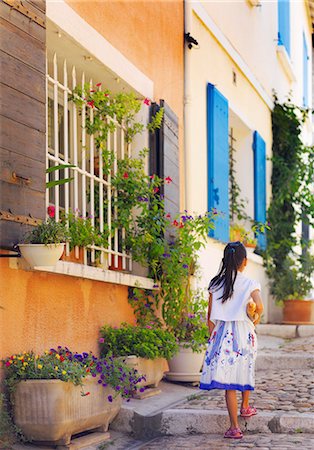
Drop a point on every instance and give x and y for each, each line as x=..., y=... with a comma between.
x=62, y=358
x=87, y=370
x=8, y=364
x=125, y=175
x=175, y=223
x=92, y=90
x=98, y=84
x=91, y=104
x=51, y=211
x=156, y=189
x=147, y=101
x=168, y=180
x=181, y=225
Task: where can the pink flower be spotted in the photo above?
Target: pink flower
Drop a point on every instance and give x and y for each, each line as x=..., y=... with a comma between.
x=125, y=175
x=91, y=104
x=101, y=340
x=168, y=180
x=147, y=101
x=152, y=177
x=51, y=210
x=168, y=216
x=8, y=364
x=175, y=223
x=98, y=84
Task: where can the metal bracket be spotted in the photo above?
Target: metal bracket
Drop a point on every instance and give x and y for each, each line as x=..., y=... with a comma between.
x=19, y=6
x=27, y=220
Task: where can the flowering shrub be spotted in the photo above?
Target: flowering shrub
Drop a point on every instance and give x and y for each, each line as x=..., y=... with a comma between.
x=62, y=364
x=146, y=342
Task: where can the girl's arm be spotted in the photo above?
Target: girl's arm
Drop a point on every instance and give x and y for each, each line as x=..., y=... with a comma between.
x=257, y=299
x=210, y=324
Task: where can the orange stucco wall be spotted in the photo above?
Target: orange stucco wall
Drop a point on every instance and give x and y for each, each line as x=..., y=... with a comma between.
x=40, y=310
x=150, y=34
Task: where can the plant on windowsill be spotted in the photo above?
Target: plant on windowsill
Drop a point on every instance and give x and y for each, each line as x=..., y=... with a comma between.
x=289, y=258
x=145, y=348
x=82, y=234
x=59, y=378
x=43, y=246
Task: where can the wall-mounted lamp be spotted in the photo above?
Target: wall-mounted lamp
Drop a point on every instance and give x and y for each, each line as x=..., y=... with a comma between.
x=192, y=43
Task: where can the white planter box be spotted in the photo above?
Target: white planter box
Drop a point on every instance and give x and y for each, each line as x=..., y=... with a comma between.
x=40, y=254
x=186, y=365
x=152, y=369
x=51, y=411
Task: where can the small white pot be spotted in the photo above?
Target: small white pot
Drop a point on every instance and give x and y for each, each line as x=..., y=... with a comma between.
x=41, y=254
x=186, y=365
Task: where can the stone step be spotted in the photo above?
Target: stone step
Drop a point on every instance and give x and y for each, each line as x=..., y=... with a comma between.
x=285, y=331
x=268, y=360
x=176, y=422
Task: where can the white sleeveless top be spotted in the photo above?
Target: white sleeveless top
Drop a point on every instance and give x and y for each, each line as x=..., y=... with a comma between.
x=235, y=307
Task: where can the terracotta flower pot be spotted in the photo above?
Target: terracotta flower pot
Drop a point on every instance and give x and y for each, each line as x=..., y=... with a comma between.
x=298, y=312
x=119, y=267
x=73, y=257
x=51, y=411
x=152, y=369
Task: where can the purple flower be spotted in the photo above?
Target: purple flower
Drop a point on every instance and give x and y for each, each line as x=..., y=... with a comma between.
x=215, y=212
x=105, y=384
x=162, y=196
x=110, y=398
x=155, y=285
x=85, y=355
x=191, y=316
x=166, y=255
x=147, y=305
x=99, y=381
x=101, y=340
x=185, y=266
x=135, y=299
x=118, y=388
x=184, y=218
x=142, y=389
x=93, y=375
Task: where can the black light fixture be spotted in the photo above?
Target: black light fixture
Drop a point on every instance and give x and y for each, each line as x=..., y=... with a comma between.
x=192, y=43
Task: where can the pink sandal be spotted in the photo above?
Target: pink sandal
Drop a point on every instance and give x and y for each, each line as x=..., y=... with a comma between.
x=233, y=433
x=248, y=412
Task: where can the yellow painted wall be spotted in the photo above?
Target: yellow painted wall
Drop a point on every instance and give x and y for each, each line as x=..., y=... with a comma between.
x=151, y=35
x=40, y=310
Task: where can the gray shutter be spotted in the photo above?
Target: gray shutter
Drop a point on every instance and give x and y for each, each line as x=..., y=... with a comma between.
x=22, y=116
x=164, y=159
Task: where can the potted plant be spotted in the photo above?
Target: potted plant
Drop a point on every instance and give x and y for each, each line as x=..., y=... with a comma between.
x=289, y=257
x=43, y=246
x=60, y=393
x=145, y=348
x=82, y=234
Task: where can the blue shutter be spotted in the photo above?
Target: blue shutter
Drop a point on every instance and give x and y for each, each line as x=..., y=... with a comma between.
x=305, y=73
x=218, y=160
x=284, y=24
x=259, y=148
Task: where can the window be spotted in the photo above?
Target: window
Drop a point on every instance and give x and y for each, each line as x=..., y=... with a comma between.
x=305, y=73
x=90, y=192
x=284, y=24
x=218, y=160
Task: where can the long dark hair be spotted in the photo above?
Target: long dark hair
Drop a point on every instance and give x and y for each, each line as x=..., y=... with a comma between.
x=234, y=254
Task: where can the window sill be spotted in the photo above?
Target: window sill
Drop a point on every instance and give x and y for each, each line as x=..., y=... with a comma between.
x=285, y=61
x=90, y=273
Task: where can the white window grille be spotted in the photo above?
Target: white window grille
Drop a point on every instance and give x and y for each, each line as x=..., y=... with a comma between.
x=68, y=142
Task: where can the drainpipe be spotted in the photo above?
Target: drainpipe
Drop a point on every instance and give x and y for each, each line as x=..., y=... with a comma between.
x=187, y=105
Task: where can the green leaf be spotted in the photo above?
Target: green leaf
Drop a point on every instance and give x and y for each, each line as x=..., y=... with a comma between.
x=51, y=184
x=59, y=167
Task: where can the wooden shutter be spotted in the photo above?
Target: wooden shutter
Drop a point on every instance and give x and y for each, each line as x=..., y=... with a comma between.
x=259, y=148
x=305, y=73
x=22, y=115
x=164, y=156
x=218, y=160
x=284, y=24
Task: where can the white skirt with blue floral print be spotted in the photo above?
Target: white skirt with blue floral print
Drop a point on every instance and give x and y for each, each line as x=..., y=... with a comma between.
x=230, y=357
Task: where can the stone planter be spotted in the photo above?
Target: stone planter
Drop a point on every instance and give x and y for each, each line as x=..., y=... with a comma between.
x=51, y=411
x=152, y=369
x=186, y=366
x=41, y=254
x=298, y=312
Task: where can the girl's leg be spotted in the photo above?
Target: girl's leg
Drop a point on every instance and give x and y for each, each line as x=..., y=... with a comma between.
x=232, y=405
x=245, y=399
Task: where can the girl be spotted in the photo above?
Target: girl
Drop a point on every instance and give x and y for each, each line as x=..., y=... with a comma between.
x=231, y=353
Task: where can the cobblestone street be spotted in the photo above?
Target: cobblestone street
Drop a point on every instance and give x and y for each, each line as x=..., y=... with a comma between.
x=214, y=442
